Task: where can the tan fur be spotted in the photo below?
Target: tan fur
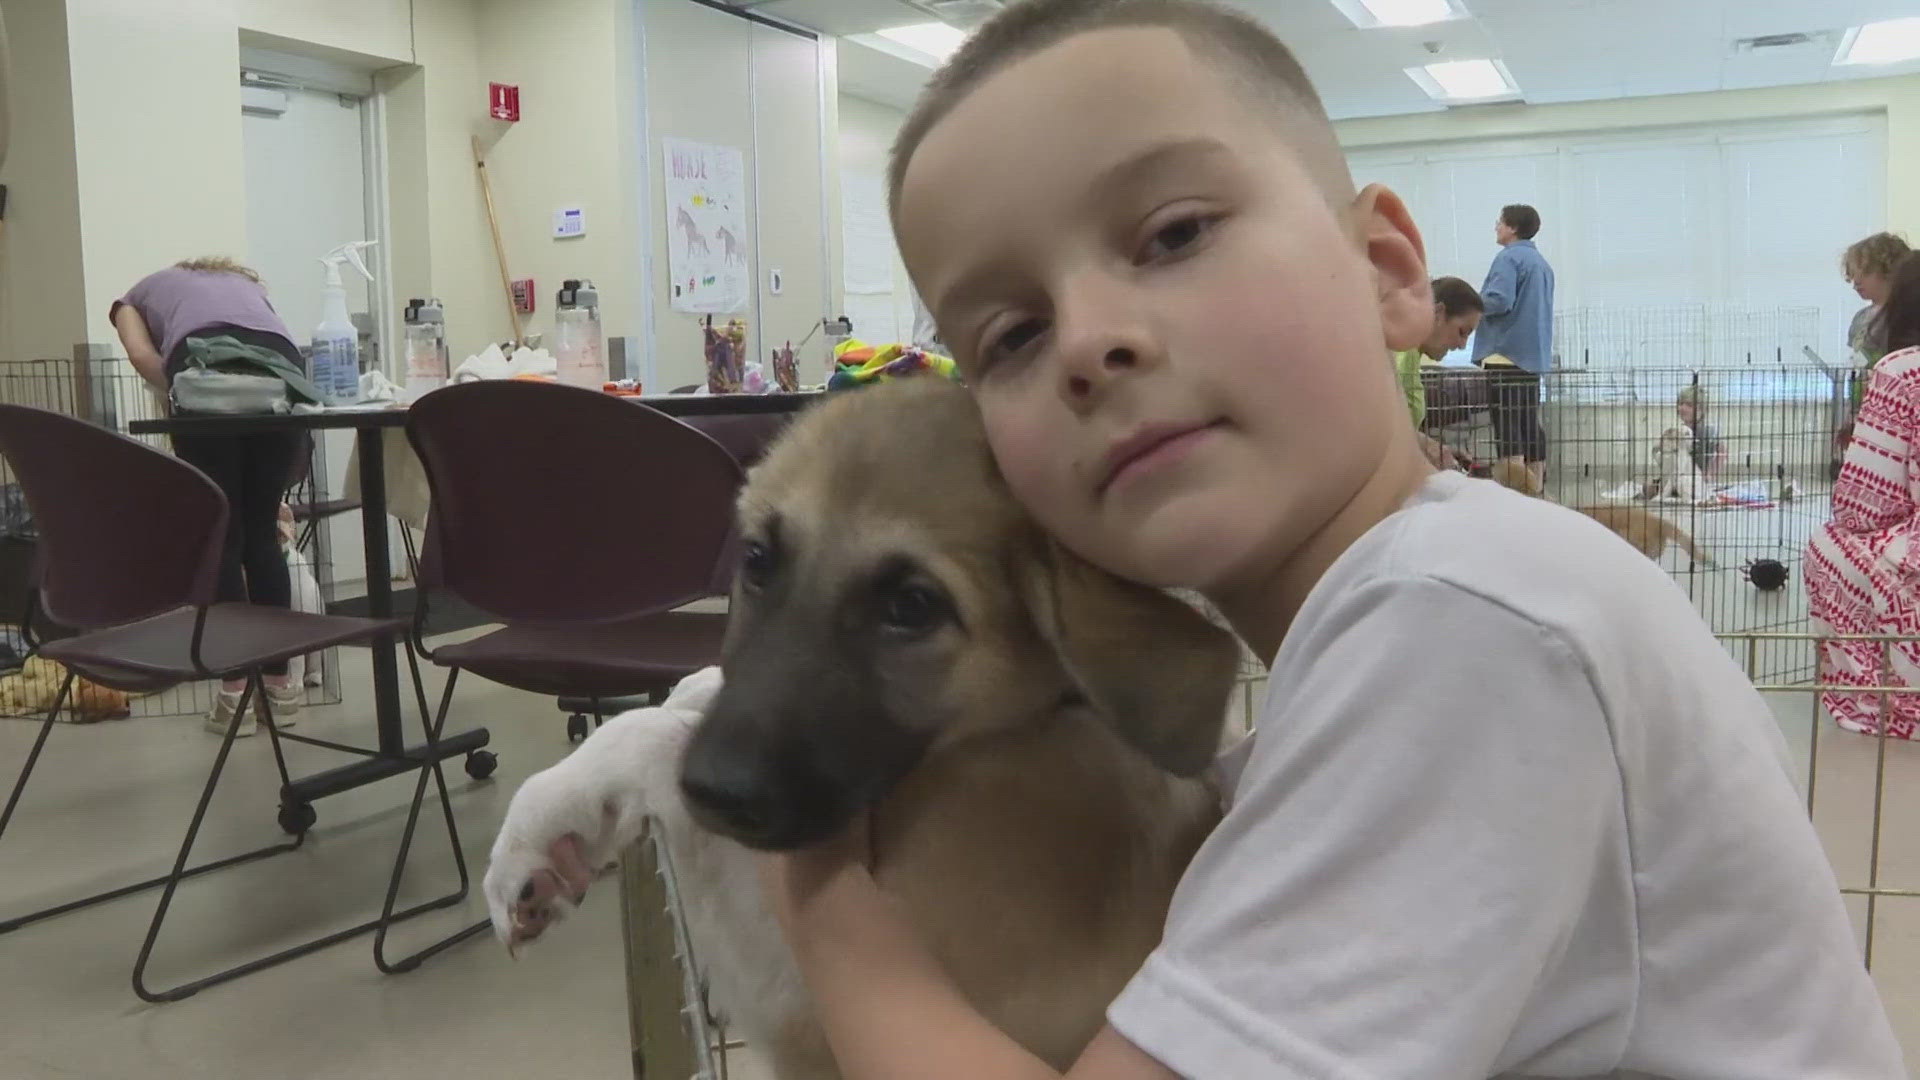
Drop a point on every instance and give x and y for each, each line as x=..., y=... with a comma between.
x=1645, y=530
x=1036, y=846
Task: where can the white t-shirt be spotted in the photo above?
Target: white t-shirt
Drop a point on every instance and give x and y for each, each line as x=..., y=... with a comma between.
x=1511, y=811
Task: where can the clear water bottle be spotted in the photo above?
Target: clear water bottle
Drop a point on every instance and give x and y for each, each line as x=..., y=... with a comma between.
x=579, y=352
x=426, y=347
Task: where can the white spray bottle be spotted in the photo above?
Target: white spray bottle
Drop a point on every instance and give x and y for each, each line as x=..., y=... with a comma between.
x=335, y=366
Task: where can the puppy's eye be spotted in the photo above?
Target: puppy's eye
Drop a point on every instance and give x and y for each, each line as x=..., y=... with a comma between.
x=911, y=610
x=756, y=564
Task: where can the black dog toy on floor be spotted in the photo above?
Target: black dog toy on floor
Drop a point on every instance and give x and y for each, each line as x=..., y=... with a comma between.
x=1767, y=575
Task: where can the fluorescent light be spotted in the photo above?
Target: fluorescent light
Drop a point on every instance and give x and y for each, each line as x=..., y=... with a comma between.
x=936, y=39
x=1368, y=14
x=1888, y=42
x=1465, y=80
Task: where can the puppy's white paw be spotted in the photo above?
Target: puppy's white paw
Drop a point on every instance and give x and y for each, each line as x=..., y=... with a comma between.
x=562, y=827
x=568, y=824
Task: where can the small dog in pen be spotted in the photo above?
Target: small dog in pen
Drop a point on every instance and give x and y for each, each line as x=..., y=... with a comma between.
x=1678, y=479
x=1637, y=525
x=1022, y=730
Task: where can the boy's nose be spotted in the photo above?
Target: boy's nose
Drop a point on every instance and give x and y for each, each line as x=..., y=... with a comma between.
x=1116, y=359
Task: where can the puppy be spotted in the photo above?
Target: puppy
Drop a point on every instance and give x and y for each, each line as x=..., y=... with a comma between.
x=1019, y=731
x=1678, y=479
x=1637, y=525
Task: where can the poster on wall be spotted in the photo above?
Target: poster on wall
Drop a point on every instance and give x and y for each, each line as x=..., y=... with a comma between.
x=706, y=226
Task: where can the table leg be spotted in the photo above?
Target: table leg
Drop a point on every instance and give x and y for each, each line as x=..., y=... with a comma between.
x=373, y=534
x=397, y=757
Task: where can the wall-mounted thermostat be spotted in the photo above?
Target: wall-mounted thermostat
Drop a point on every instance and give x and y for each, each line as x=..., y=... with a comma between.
x=569, y=221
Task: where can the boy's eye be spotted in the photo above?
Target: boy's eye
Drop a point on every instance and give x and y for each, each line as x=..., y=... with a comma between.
x=1175, y=237
x=1021, y=335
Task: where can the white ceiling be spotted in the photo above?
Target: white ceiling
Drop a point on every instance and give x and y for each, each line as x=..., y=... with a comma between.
x=1557, y=50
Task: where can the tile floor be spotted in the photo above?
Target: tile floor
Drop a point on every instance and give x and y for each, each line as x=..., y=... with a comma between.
x=111, y=801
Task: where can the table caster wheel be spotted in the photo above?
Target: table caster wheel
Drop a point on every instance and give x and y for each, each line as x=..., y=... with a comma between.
x=577, y=728
x=297, y=818
x=481, y=763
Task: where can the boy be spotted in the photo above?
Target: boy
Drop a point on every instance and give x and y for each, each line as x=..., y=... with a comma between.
x=1511, y=811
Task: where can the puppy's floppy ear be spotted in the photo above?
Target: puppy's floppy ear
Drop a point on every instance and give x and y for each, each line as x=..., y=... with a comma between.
x=1156, y=667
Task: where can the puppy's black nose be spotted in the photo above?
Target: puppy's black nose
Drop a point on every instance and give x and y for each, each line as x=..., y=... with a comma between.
x=729, y=792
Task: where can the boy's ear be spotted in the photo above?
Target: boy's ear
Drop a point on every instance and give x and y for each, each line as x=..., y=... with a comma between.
x=1399, y=259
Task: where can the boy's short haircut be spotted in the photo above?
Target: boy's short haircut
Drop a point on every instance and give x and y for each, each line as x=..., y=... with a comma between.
x=1880, y=254
x=1524, y=220
x=1029, y=26
x=1456, y=297
x=1694, y=396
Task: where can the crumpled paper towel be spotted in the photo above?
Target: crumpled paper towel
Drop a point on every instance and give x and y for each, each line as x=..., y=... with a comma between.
x=494, y=364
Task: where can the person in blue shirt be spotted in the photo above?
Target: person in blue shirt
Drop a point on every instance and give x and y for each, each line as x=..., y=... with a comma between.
x=1515, y=340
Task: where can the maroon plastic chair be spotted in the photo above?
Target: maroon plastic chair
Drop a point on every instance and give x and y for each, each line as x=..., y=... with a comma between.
x=129, y=555
x=579, y=521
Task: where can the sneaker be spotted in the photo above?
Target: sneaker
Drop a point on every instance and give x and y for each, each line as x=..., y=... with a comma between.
x=284, y=701
x=220, y=717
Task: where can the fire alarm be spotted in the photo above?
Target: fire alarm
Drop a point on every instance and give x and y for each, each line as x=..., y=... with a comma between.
x=503, y=101
x=523, y=295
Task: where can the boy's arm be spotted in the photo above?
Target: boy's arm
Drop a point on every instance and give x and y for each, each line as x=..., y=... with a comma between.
x=1503, y=282
x=888, y=1009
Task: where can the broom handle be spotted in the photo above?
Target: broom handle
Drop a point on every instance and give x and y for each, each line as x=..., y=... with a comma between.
x=499, y=249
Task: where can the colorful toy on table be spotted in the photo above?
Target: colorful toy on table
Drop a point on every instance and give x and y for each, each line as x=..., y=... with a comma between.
x=786, y=370
x=857, y=363
x=726, y=356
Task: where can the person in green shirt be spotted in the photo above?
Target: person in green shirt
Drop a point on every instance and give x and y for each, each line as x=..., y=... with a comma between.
x=1456, y=315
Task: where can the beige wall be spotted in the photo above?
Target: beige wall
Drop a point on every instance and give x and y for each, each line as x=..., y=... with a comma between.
x=718, y=78
x=565, y=151
x=867, y=129
x=159, y=173
x=438, y=223
x=1898, y=98
x=377, y=28
x=42, y=291
x=136, y=179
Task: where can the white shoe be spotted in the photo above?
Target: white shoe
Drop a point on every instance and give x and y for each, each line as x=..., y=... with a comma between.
x=284, y=701
x=220, y=717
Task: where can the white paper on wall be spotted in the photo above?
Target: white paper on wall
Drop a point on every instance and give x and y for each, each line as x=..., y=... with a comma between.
x=706, y=226
x=866, y=234
x=874, y=319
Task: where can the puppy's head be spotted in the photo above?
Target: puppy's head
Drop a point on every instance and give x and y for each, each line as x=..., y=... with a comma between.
x=894, y=601
x=1673, y=440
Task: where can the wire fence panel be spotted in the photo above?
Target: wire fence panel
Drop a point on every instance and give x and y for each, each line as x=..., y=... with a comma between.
x=111, y=394
x=1725, y=421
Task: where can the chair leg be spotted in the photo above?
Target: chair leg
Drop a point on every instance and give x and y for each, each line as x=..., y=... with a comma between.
x=13, y=800
x=432, y=724
x=180, y=873
x=33, y=755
